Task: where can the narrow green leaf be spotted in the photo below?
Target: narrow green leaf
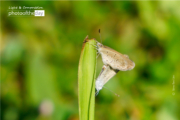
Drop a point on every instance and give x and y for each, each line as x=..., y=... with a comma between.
x=86, y=80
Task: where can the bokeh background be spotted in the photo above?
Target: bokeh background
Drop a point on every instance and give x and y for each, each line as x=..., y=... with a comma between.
x=40, y=55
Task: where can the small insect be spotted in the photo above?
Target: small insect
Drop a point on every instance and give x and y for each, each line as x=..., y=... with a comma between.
x=113, y=62
x=106, y=74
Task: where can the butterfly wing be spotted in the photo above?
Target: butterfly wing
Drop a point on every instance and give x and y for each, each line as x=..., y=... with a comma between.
x=106, y=74
x=116, y=60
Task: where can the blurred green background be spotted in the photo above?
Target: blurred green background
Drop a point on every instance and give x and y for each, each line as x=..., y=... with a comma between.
x=40, y=55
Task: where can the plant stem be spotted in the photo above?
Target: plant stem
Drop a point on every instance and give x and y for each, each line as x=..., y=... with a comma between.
x=86, y=80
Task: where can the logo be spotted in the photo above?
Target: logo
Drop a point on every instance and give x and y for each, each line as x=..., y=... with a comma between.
x=39, y=13
x=18, y=11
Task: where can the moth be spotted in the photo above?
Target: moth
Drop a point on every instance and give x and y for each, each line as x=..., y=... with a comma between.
x=113, y=63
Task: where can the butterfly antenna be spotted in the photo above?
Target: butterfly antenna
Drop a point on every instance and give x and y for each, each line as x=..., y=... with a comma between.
x=111, y=91
x=100, y=35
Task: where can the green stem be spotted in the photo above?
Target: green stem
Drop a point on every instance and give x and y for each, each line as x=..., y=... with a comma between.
x=86, y=80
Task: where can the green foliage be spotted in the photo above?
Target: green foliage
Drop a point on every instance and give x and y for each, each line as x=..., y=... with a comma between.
x=40, y=57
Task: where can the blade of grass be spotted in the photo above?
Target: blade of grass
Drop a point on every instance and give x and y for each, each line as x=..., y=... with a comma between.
x=86, y=80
